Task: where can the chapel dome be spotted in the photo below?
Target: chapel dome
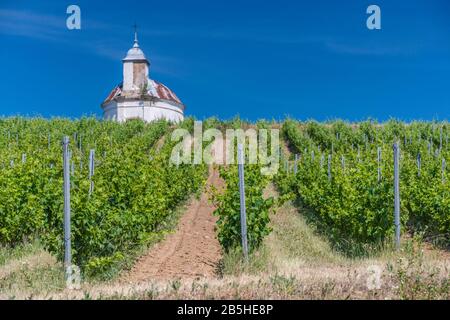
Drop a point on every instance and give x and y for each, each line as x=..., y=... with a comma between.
x=135, y=53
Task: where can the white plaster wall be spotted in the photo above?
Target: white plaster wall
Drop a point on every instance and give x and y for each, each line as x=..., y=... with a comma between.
x=166, y=110
x=110, y=111
x=128, y=76
x=147, y=111
x=131, y=110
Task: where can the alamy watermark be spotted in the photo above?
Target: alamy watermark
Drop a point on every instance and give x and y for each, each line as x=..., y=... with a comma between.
x=73, y=277
x=211, y=146
x=373, y=281
x=374, y=20
x=73, y=22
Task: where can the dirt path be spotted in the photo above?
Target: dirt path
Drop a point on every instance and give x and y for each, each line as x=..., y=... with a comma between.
x=193, y=251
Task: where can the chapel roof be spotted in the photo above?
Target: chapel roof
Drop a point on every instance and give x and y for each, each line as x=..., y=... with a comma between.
x=154, y=89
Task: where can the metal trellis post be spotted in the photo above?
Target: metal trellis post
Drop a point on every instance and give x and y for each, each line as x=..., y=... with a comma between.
x=242, y=200
x=329, y=167
x=397, y=194
x=419, y=164
x=91, y=170
x=67, y=236
x=296, y=164
x=379, y=163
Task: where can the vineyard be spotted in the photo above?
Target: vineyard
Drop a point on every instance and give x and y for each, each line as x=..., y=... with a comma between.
x=124, y=189
x=345, y=174
x=135, y=188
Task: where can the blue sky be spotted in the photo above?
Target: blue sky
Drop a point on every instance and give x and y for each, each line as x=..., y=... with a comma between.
x=258, y=59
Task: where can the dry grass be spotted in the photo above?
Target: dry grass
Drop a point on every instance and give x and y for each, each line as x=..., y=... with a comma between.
x=294, y=262
x=292, y=245
x=28, y=268
x=294, y=255
x=40, y=259
x=399, y=281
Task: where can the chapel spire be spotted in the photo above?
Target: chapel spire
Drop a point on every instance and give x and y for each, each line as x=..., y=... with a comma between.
x=136, y=43
x=135, y=68
x=135, y=54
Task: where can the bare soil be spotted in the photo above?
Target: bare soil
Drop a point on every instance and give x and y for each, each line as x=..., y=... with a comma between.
x=191, y=252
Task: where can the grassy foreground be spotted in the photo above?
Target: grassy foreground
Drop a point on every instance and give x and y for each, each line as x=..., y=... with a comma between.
x=294, y=262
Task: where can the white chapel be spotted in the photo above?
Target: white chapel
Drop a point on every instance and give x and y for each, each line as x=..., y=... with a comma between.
x=138, y=96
